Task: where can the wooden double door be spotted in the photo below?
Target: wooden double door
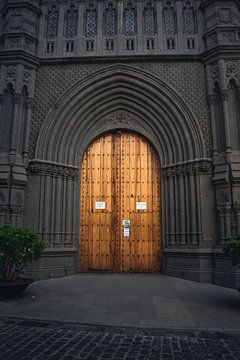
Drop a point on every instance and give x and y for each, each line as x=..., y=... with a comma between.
x=120, y=205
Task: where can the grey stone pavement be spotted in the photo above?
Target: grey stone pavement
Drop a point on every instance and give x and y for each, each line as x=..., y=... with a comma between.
x=113, y=316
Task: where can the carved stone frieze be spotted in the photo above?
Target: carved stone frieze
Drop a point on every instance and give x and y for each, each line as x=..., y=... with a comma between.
x=53, y=169
x=195, y=167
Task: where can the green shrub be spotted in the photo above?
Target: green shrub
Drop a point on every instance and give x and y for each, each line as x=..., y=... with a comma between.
x=18, y=247
x=232, y=247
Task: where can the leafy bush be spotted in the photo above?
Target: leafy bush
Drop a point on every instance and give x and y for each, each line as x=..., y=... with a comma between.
x=18, y=247
x=232, y=247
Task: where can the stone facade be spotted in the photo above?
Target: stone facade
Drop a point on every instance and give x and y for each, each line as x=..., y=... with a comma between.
x=72, y=70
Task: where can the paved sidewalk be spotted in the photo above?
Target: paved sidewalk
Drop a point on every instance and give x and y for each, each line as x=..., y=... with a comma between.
x=154, y=301
x=36, y=340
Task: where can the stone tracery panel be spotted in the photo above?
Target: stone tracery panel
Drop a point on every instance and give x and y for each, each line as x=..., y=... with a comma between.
x=71, y=21
x=52, y=22
x=130, y=19
x=169, y=14
x=110, y=20
x=91, y=20
x=149, y=16
x=189, y=26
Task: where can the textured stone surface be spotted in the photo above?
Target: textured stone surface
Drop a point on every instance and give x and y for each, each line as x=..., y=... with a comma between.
x=51, y=341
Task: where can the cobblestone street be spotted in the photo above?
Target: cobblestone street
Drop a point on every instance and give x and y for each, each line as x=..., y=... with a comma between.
x=39, y=340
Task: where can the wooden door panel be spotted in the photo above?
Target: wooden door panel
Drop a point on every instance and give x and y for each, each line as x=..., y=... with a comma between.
x=120, y=169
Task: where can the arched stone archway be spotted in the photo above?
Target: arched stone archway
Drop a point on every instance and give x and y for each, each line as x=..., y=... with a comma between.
x=119, y=97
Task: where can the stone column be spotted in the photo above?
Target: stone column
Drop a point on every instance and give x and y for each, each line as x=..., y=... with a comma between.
x=224, y=94
x=237, y=216
x=14, y=135
x=29, y=104
x=212, y=103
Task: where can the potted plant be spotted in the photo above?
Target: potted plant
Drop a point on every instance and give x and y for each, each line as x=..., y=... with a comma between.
x=18, y=247
x=232, y=247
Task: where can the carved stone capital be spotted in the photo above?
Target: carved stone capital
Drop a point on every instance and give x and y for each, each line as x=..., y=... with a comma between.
x=53, y=169
x=16, y=209
x=29, y=103
x=17, y=98
x=195, y=167
x=224, y=94
x=224, y=209
x=211, y=98
x=236, y=208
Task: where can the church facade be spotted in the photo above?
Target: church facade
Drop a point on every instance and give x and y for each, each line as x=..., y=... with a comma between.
x=120, y=133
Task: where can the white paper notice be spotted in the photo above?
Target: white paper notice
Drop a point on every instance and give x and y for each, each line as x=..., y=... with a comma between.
x=126, y=231
x=141, y=205
x=126, y=223
x=100, y=205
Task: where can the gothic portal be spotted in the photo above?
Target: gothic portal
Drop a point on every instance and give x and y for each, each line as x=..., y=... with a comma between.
x=94, y=91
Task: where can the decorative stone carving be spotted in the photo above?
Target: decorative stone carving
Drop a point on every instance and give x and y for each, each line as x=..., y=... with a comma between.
x=15, y=20
x=120, y=119
x=71, y=21
x=224, y=94
x=211, y=99
x=16, y=209
x=91, y=20
x=225, y=209
x=149, y=16
x=196, y=167
x=10, y=73
x=189, y=27
x=110, y=20
x=169, y=18
x=3, y=209
x=214, y=71
x=26, y=76
x=53, y=169
x=17, y=99
x=130, y=20
x=236, y=208
x=225, y=15
x=29, y=103
x=231, y=69
x=52, y=22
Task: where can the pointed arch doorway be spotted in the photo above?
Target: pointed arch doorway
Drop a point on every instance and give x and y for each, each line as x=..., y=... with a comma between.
x=120, y=205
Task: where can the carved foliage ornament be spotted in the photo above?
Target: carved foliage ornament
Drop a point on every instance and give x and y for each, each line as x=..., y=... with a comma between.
x=54, y=170
x=225, y=15
x=197, y=167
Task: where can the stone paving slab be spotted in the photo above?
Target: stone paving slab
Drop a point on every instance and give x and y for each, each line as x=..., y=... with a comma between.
x=129, y=300
x=22, y=339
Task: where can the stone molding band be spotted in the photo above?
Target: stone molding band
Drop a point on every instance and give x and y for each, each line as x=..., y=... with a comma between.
x=49, y=168
x=202, y=166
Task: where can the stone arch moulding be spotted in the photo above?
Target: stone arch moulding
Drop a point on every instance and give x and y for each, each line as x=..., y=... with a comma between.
x=118, y=97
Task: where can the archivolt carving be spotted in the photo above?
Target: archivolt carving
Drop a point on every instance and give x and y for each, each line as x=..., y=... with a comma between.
x=80, y=116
